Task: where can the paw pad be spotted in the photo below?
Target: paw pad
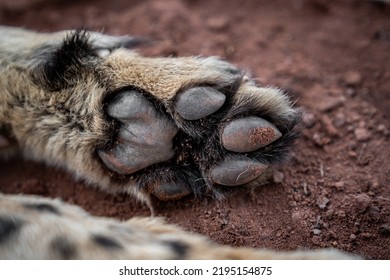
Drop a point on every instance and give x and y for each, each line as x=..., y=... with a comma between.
x=144, y=138
x=248, y=134
x=199, y=102
x=236, y=172
x=170, y=191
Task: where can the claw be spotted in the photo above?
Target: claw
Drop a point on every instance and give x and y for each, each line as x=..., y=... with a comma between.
x=248, y=134
x=237, y=172
x=199, y=102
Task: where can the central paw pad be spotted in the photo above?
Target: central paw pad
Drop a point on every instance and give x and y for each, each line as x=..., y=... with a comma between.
x=145, y=136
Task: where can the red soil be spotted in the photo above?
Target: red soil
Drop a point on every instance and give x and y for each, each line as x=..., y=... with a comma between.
x=331, y=56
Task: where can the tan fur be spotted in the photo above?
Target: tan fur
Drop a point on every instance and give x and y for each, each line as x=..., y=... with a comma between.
x=46, y=126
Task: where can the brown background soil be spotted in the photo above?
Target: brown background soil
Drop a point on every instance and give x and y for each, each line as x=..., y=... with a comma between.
x=332, y=56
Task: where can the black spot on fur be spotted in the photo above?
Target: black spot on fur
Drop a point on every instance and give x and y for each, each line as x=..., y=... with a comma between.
x=64, y=248
x=106, y=242
x=8, y=227
x=179, y=248
x=43, y=207
x=63, y=65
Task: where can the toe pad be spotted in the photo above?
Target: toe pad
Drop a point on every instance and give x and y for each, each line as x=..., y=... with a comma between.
x=171, y=191
x=199, y=102
x=248, y=134
x=236, y=172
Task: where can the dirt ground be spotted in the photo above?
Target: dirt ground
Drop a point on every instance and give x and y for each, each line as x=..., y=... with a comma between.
x=333, y=57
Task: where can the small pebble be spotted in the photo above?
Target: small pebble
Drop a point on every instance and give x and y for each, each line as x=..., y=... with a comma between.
x=329, y=214
x=352, y=154
x=329, y=127
x=382, y=129
x=339, y=185
x=331, y=103
x=320, y=140
x=298, y=216
x=316, y=231
x=339, y=120
x=374, y=212
x=278, y=177
x=352, y=78
x=218, y=23
x=362, y=201
x=309, y=120
x=322, y=201
x=362, y=134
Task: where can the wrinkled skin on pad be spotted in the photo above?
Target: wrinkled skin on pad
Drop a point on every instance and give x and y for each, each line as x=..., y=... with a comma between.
x=145, y=136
